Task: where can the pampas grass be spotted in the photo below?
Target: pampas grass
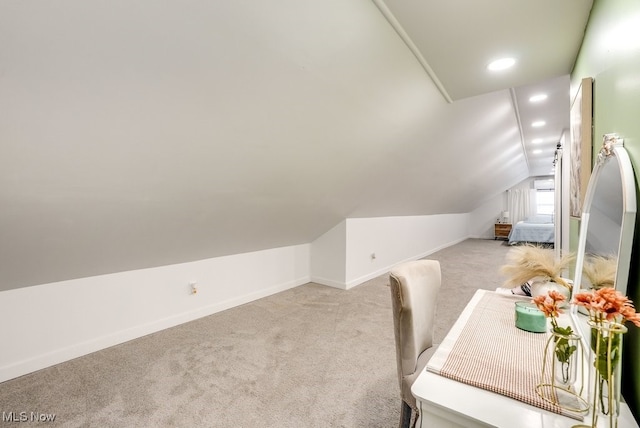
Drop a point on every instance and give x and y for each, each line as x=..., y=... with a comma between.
x=529, y=261
x=600, y=271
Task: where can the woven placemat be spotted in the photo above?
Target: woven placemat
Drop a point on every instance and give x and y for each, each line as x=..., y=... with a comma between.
x=493, y=354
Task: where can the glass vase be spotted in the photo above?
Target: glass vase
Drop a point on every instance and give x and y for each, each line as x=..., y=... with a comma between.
x=565, y=353
x=604, y=379
x=562, y=378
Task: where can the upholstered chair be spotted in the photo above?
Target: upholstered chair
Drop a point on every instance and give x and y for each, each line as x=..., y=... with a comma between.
x=414, y=290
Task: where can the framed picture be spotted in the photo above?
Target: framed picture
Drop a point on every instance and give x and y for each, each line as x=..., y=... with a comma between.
x=581, y=145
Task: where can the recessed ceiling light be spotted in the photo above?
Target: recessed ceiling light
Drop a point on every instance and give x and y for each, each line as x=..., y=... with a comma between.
x=537, y=151
x=538, y=123
x=536, y=141
x=537, y=98
x=501, y=64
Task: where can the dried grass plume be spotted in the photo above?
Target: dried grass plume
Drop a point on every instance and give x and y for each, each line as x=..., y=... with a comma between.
x=528, y=261
x=600, y=271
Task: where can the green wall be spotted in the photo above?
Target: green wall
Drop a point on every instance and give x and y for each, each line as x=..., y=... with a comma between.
x=610, y=53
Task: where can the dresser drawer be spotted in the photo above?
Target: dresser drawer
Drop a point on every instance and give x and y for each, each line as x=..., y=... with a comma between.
x=502, y=230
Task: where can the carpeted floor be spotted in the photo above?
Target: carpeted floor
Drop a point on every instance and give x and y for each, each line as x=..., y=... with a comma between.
x=312, y=356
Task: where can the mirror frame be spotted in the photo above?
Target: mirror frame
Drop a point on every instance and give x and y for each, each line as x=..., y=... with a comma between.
x=612, y=151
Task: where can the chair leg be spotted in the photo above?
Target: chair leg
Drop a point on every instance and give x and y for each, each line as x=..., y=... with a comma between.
x=405, y=415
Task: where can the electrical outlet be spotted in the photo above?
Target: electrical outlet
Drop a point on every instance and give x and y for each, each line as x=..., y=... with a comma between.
x=193, y=287
x=373, y=256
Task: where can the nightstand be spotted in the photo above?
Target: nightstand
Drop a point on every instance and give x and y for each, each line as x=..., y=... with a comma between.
x=502, y=230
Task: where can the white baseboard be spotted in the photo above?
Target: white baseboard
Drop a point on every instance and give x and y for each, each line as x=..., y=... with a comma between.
x=329, y=282
x=386, y=269
x=51, y=323
x=87, y=347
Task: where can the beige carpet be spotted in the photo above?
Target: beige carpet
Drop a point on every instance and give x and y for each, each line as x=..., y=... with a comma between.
x=313, y=356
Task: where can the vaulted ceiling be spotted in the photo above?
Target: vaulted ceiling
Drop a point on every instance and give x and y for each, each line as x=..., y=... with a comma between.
x=457, y=39
x=139, y=134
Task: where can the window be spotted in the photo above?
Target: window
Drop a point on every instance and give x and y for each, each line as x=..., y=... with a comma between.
x=544, y=201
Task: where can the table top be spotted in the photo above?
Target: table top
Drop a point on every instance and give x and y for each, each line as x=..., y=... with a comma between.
x=480, y=405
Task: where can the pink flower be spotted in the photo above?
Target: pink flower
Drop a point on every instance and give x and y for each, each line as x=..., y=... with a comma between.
x=549, y=303
x=629, y=313
x=608, y=304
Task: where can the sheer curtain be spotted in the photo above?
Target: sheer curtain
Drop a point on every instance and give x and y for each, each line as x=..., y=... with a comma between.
x=519, y=203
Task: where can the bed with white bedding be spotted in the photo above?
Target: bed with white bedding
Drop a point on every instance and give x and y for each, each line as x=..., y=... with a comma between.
x=536, y=229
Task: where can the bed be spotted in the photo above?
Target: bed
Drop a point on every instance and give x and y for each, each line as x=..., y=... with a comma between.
x=536, y=229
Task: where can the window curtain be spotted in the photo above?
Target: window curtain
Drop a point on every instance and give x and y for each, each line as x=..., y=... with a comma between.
x=519, y=203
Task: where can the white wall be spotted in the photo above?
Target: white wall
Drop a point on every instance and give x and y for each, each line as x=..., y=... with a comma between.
x=328, y=257
x=483, y=218
x=126, y=145
x=50, y=323
x=397, y=239
x=359, y=249
x=564, y=242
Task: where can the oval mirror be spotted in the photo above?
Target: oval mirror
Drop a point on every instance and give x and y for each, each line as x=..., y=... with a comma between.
x=607, y=224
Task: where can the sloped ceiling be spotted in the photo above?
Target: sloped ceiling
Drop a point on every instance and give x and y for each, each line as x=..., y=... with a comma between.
x=139, y=134
x=458, y=38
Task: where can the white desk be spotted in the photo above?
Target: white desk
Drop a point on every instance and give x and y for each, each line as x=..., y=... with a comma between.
x=446, y=403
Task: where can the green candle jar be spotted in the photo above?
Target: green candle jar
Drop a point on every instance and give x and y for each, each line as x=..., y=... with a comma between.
x=530, y=318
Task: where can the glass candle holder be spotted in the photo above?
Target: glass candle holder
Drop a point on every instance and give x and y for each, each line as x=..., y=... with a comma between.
x=530, y=318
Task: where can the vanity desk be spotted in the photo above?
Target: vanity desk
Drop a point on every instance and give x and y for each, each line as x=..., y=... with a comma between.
x=505, y=374
x=485, y=372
